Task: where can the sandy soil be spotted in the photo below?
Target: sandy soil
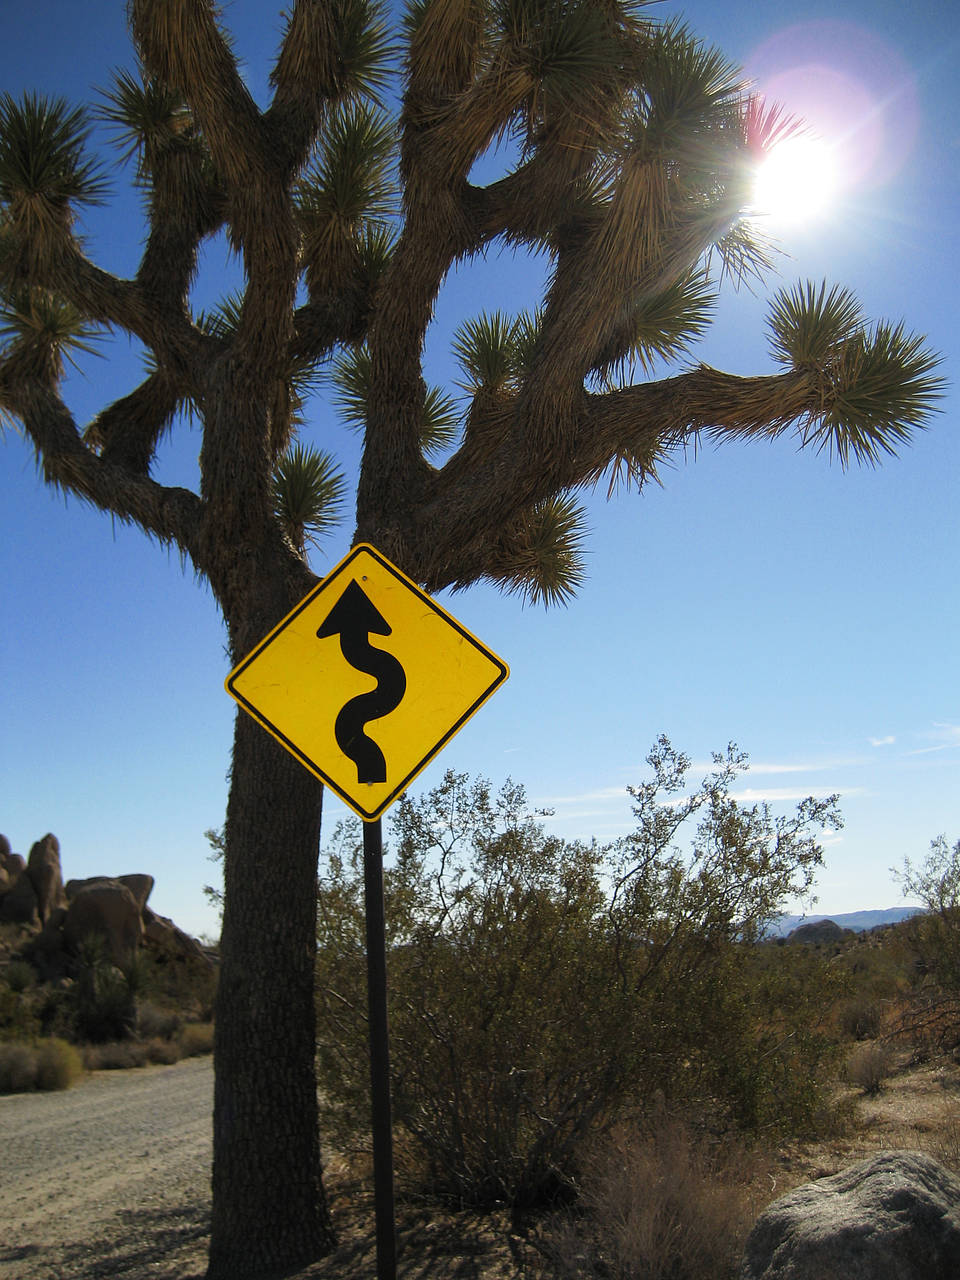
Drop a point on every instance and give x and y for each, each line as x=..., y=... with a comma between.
x=110, y=1181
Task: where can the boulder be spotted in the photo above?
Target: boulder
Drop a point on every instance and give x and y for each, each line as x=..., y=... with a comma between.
x=164, y=935
x=20, y=905
x=4, y=850
x=140, y=885
x=43, y=868
x=895, y=1216
x=14, y=863
x=103, y=906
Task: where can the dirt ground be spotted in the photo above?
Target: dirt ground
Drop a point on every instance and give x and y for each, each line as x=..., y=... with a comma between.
x=918, y=1109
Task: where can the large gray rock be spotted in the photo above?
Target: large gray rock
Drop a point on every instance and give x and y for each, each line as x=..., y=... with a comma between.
x=106, y=907
x=43, y=868
x=893, y=1217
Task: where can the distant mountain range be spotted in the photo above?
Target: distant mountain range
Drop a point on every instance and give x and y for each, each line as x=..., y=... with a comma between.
x=858, y=921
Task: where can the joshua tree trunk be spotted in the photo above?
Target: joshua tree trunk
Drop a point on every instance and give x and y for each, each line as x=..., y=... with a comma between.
x=265, y=1106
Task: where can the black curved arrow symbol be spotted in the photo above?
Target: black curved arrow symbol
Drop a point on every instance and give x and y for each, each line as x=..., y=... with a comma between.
x=353, y=618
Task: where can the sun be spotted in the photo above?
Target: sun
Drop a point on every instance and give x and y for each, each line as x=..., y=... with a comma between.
x=797, y=181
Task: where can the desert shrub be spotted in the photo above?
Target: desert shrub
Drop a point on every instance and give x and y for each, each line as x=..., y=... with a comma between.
x=18, y=1068
x=181, y=982
x=103, y=997
x=115, y=1055
x=934, y=936
x=860, y=1017
x=156, y=1023
x=163, y=1052
x=20, y=976
x=538, y=987
x=19, y=1018
x=59, y=1064
x=195, y=1038
x=868, y=1067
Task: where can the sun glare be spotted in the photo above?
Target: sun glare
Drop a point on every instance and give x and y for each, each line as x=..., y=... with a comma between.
x=797, y=181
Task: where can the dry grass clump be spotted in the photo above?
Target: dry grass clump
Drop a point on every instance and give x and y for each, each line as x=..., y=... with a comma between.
x=18, y=1068
x=196, y=1038
x=49, y=1064
x=869, y=1066
x=659, y=1204
x=190, y=1041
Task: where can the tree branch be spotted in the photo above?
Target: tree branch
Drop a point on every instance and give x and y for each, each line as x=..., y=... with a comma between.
x=170, y=514
x=182, y=46
x=486, y=487
x=305, y=79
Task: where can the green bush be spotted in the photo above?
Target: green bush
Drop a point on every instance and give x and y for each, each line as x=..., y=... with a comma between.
x=539, y=987
x=20, y=976
x=103, y=997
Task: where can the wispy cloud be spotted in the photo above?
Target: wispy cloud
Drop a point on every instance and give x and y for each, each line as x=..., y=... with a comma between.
x=773, y=767
x=757, y=795
x=585, y=797
x=948, y=736
x=887, y=741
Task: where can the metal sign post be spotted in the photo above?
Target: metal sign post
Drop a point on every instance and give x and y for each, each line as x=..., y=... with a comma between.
x=379, y=1051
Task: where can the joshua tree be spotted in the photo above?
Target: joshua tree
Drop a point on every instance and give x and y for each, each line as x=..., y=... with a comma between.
x=632, y=148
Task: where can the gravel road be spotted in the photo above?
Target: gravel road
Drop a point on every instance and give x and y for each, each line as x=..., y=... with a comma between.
x=109, y=1180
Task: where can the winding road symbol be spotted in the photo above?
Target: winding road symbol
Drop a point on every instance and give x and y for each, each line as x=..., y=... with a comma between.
x=354, y=618
x=366, y=719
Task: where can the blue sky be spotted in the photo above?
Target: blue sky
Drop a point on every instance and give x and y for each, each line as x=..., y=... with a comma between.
x=760, y=595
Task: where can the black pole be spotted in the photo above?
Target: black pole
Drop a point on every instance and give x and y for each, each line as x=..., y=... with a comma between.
x=379, y=1051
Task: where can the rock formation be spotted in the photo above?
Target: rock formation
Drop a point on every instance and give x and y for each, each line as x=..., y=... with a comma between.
x=43, y=868
x=32, y=893
x=895, y=1216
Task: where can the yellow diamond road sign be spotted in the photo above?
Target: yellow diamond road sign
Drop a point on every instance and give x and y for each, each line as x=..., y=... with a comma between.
x=366, y=680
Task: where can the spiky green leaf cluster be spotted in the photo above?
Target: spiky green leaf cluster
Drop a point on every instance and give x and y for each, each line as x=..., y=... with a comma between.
x=663, y=325
x=877, y=383
x=364, y=48
x=45, y=177
x=440, y=418
x=41, y=333
x=808, y=324
x=882, y=388
x=147, y=118
x=493, y=350
x=549, y=569
x=350, y=180
x=308, y=494
x=42, y=157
